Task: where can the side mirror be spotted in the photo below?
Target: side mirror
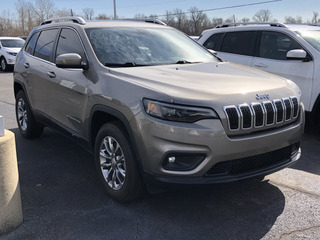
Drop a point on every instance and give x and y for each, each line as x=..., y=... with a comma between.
x=70, y=60
x=297, y=54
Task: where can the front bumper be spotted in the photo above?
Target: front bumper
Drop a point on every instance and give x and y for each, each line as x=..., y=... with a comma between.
x=157, y=139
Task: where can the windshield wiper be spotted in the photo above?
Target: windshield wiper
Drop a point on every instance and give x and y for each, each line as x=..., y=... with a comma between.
x=185, y=62
x=127, y=64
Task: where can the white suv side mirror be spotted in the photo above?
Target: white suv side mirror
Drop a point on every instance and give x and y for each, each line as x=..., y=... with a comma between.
x=298, y=54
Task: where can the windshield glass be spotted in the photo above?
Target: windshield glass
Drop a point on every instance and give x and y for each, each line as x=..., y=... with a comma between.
x=129, y=47
x=312, y=37
x=10, y=43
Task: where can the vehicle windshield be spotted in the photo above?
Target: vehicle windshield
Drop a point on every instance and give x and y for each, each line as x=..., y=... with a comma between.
x=129, y=47
x=312, y=37
x=12, y=43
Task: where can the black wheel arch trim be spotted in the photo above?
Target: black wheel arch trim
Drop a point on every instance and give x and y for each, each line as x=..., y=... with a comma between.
x=117, y=114
x=316, y=110
x=17, y=81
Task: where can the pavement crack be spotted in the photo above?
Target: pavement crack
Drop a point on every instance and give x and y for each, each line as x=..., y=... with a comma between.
x=7, y=102
x=284, y=235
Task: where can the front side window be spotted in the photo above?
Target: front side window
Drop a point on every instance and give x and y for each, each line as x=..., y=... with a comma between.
x=213, y=41
x=45, y=44
x=128, y=47
x=12, y=43
x=275, y=45
x=69, y=42
x=239, y=42
x=32, y=43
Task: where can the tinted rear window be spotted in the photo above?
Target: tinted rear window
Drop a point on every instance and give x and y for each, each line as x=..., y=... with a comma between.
x=239, y=43
x=31, y=44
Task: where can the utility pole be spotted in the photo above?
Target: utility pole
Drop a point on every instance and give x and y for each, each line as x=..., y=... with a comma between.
x=114, y=10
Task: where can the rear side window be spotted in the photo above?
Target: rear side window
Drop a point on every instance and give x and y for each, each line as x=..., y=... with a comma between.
x=32, y=43
x=239, y=42
x=213, y=41
x=69, y=42
x=45, y=44
x=275, y=45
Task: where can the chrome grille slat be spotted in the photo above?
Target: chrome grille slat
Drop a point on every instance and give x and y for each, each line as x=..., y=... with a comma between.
x=246, y=115
x=256, y=115
x=270, y=113
x=233, y=117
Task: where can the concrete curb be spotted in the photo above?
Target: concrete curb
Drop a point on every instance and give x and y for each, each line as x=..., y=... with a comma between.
x=10, y=198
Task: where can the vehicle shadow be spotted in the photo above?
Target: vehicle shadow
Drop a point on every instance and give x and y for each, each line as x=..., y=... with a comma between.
x=310, y=146
x=63, y=199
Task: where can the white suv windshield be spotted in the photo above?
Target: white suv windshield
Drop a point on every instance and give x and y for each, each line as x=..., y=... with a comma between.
x=312, y=37
x=12, y=43
x=128, y=47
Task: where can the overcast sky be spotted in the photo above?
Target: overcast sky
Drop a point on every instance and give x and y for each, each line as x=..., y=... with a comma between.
x=128, y=9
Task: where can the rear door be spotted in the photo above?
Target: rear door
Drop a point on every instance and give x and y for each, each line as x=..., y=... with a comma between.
x=37, y=67
x=271, y=57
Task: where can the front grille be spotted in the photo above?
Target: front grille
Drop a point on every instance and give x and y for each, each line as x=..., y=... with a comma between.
x=257, y=115
x=254, y=163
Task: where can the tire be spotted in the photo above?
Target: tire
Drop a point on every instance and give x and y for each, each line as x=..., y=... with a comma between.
x=28, y=126
x=116, y=164
x=3, y=64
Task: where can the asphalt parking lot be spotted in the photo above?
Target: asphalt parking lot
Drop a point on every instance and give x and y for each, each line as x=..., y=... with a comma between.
x=63, y=199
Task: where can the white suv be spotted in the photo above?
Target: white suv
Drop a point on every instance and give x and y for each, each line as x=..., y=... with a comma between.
x=9, y=48
x=291, y=51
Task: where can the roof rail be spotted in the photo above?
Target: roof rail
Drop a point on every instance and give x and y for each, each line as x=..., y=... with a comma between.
x=79, y=20
x=272, y=24
x=148, y=20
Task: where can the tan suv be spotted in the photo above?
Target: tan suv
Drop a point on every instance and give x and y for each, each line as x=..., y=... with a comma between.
x=152, y=105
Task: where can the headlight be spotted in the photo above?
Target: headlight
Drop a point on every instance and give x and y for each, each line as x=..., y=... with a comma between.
x=178, y=113
x=12, y=53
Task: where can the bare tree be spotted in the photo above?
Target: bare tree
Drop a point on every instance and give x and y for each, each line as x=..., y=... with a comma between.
x=217, y=21
x=103, y=17
x=63, y=13
x=230, y=19
x=289, y=19
x=263, y=16
x=199, y=21
x=88, y=13
x=7, y=27
x=315, y=17
x=26, y=18
x=245, y=20
x=140, y=16
x=43, y=9
x=180, y=18
x=169, y=19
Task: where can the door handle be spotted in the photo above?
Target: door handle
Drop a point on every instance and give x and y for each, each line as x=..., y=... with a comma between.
x=26, y=65
x=260, y=65
x=51, y=74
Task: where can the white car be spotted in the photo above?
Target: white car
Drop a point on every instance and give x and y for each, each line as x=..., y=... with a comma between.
x=9, y=48
x=291, y=51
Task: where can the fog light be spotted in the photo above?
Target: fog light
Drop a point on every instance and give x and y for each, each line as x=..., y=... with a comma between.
x=182, y=161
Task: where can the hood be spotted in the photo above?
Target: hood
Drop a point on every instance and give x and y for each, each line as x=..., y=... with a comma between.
x=14, y=50
x=224, y=82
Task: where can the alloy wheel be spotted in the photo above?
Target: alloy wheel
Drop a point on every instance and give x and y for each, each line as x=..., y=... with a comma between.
x=112, y=163
x=22, y=115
